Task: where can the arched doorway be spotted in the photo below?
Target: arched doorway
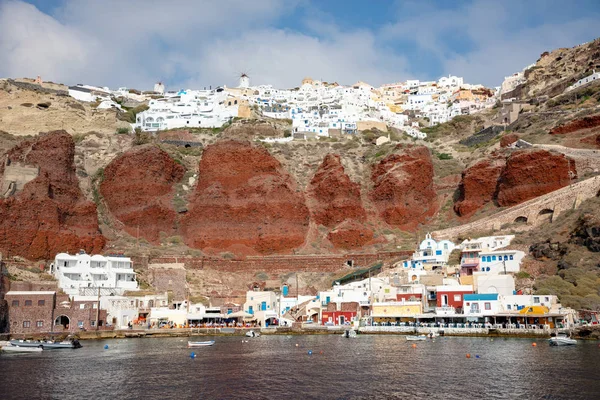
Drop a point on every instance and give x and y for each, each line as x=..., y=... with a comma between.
x=63, y=321
x=521, y=220
x=546, y=214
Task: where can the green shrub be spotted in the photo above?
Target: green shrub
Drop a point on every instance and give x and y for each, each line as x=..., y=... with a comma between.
x=122, y=131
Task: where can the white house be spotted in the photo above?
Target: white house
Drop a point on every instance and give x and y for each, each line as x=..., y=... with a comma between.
x=480, y=305
x=500, y=261
x=430, y=254
x=82, y=274
x=263, y=305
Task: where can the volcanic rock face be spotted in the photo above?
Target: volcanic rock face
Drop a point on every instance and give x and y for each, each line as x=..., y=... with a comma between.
x=244, y=199
x=335, y=202
x=478, y=186
x=138, y=188
x=529, y=174
x=350, y=235
x=576, y=125
x=403, y=190
x=333, y=196
x=50, y=215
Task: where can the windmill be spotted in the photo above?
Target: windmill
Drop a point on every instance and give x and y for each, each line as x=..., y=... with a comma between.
x=244, y=81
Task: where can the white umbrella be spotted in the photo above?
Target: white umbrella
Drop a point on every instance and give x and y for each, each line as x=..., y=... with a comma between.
x=239, y=314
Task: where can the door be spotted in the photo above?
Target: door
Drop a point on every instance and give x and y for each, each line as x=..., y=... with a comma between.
x=263, y=306
x=444, y=300
x=342, y=320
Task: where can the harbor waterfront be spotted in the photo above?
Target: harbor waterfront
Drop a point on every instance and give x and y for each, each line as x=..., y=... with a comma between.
x=324, y=366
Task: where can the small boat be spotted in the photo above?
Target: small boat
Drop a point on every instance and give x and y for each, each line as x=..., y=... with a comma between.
x=47, y=344
x=349, y=333
x=201, y=344
x=415, y=338
x=251, y=333
x=19, y=349
x=562, y=340
x=432, y=335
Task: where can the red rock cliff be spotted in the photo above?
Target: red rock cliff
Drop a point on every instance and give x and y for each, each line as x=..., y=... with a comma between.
x=138, y=187
x=478, y=186
x=50, y=215
x=333, y=197
x=335, y=202
x=244, y=200
x=403, y=191
x=530, y=174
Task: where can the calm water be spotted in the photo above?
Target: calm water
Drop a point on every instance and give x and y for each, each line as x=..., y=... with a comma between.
x=273, y=367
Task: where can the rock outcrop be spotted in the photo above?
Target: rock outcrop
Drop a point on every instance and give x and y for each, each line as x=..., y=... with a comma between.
x=508, y=139
x=478, y=186
x=587, y=232
x=245, y=200
x=529, y=174
x=332, y=196
x=138, y=188
x=50, y=214
x=350, y=234
x=403, y=190
x=577, y=125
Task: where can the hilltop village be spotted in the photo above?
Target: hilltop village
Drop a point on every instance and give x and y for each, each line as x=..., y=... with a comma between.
x=436, y=205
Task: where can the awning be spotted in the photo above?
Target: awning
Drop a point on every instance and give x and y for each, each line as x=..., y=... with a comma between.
x=239, y=314
x=469, y=265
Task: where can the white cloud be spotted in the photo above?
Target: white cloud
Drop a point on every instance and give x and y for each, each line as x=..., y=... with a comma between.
x=189, y=43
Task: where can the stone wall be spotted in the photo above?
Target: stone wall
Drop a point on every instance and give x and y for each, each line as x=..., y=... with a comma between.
x=531, y=212
x=301, y=263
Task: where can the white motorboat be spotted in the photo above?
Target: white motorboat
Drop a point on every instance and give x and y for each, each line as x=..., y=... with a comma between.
x=201, y=344
x=562, y=340
x=415, y=338
x=432, y=335
x=19, y=349
x=252, y=333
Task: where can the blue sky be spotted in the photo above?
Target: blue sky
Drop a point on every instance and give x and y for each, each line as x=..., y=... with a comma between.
x=187, y=43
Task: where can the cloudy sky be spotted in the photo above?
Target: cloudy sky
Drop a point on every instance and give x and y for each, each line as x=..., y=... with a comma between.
x=187, y=43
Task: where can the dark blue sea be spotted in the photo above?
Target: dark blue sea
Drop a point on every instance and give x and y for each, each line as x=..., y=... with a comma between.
x=280, y=367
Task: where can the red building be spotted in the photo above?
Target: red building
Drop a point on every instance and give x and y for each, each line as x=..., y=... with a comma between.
x=452, y=296
x=340, y=315
x=408, y=296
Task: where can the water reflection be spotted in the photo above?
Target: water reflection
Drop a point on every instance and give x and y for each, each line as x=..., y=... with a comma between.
x=339, y=368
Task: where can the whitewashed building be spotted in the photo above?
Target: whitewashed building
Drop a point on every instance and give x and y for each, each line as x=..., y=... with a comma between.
x=85, y=275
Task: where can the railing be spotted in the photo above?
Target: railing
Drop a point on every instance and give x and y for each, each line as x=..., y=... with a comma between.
x=469, y=261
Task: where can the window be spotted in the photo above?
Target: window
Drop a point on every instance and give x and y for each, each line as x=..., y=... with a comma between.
x=511, y=256
x=457, y=297
x=546, y=299
x=41, y=303
x=536, y=300
x=15, y=303
x=28, y=302
x=493, y=258
x=26, y=324
x=508, y=307
x=40, y=324
x=82, y=306
x=95, y=305
x=505, y=257
x=487, y=305
x=92, y=323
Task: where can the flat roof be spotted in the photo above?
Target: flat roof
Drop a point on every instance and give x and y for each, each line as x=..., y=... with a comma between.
x=28, y=293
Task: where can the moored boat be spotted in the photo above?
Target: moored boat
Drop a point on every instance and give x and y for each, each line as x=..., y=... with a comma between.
x=201, y=344
x=415, y=338
x=47, y=344
x=252, y=333
x=562, y=340
x=349, y=333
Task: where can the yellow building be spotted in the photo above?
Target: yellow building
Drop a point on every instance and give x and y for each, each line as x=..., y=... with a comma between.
x=396, y=310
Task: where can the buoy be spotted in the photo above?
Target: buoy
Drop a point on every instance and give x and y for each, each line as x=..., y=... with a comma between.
x=192, y=355
x=310, y=352
x=296, y=344
x=105, y=347
x=492, y=340
x=468, y=355
x=476, y=356
x=534, y=344
x=414, y=346
x=321, y=352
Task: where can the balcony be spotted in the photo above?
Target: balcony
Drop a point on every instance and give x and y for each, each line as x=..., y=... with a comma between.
x=469, y=262
x=446, y=310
